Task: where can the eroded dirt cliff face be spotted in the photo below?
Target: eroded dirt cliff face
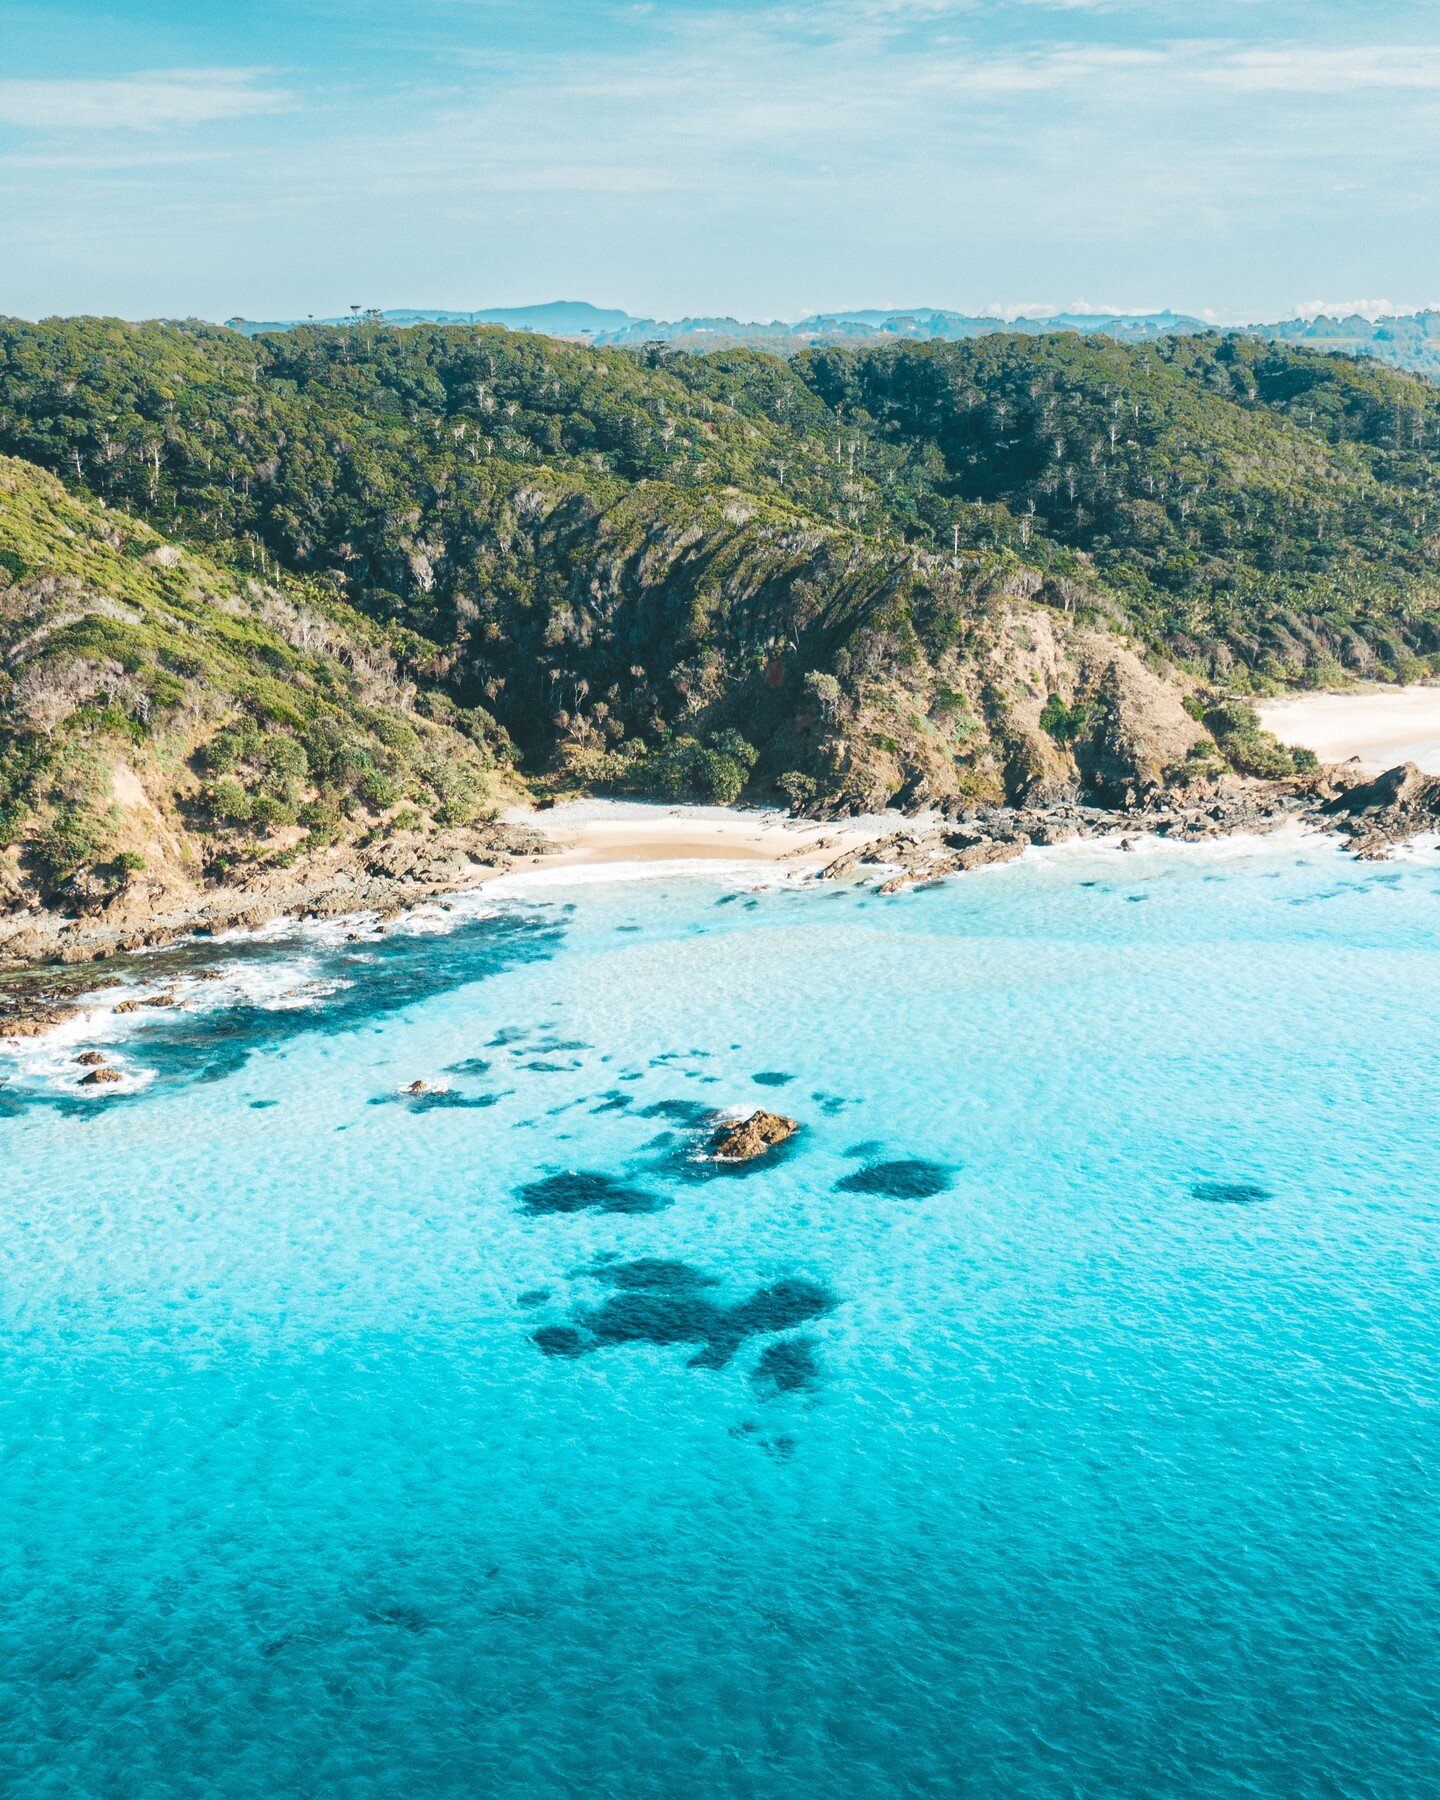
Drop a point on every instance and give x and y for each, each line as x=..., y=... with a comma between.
x=1032, y=711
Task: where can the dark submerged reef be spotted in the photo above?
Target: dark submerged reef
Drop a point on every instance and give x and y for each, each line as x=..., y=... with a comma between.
x=912, y=1179
x=1230, y=1193
x=586, y=1190
x=657, y=1301
x=788, y=1366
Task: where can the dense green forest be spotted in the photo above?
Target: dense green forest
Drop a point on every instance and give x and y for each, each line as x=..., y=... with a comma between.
x=698, y=572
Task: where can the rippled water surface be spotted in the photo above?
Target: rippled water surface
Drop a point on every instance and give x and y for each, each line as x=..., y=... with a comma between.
x=1056, y=1416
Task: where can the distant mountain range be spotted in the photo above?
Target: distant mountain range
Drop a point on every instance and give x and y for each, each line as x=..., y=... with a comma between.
x=1409, y=341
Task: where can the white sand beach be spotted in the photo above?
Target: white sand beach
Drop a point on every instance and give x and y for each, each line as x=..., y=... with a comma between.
x=1379, y=726
x=599, y=832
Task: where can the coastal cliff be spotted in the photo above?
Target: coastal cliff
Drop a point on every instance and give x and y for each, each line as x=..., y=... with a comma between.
x=182, y=748
x=287, y=622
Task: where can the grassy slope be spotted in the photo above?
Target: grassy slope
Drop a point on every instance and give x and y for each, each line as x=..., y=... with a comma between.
x=156, y=708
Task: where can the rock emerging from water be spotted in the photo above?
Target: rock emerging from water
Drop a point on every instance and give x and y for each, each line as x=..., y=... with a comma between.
x=919, y=857
x=91, y=1059
x=752, y=1137
x=149, y=1001
x=1400, y=804
x=101, y=1077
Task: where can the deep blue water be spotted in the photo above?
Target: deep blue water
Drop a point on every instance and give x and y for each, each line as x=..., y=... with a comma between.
x=1058, y=1416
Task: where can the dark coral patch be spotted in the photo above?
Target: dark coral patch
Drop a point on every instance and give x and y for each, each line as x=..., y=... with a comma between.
x=772, y=1078
x=788, y=1366
x=560, y=1340
x=584, y=1190
x=613, y=1101
x=658, y=1274
x=655, y=1301
x=1230, y=1193
x=684, y=1112
x=912, y=1179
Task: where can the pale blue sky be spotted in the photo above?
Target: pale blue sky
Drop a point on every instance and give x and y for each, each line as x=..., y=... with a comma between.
x=274, y=157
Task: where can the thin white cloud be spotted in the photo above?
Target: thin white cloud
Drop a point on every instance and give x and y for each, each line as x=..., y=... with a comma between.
x=1347, y=309
x=1049, y=309
x=575, y=178
x=1307, y=69
x=1284, y=69
x=1069, y=66
x=145, y=102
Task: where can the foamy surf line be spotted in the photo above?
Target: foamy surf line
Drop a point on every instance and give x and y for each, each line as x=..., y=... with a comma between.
x=109, y=1018
x=297, y=978
x=1234, y=846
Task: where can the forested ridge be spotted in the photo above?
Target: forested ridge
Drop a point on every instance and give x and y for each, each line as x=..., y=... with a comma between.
x=713, y=573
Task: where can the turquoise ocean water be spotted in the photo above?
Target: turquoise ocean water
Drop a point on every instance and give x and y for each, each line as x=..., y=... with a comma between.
x=1058, y=1416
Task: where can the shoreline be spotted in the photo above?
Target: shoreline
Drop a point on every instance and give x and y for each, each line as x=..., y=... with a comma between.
x=96, y=1019
x=582, y=841
x=76, y=1006
x=86, y=1026
x=344, y=882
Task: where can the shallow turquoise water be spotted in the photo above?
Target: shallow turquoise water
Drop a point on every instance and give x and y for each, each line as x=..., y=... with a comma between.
x=333, y=1464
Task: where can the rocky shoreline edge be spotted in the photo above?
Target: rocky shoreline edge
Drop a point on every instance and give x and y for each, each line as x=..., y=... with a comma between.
x=46, y=958
x=1371, y=814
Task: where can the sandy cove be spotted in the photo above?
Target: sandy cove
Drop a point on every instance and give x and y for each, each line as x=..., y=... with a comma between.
x=599, y=833
x=1378, y=726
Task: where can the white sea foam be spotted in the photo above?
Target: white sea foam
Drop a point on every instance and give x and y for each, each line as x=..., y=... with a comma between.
x=49, y=1060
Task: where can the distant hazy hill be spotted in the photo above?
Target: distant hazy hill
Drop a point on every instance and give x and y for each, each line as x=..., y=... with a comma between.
x=556, y=318
x=1410, y=341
